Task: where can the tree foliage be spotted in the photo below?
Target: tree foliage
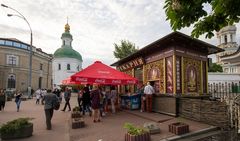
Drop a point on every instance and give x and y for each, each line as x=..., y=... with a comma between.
x=125, y=49
x=183, y=13
x=215, y=68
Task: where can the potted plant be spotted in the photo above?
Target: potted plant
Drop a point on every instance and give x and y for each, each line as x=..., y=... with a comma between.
x=77, y=119
x=178, y=128
x=18, y=128
x=76, y=112
x=136, y=133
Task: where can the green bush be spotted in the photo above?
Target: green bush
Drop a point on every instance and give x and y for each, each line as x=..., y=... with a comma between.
x=133, y=130
x=15, y=125
x=76, y=109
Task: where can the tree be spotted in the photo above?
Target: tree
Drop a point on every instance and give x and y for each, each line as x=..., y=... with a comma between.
x=183, y=13
x=125, y=49
x=215, y=68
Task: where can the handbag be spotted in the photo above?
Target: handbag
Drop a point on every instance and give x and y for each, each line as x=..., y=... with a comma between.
x=56, y=104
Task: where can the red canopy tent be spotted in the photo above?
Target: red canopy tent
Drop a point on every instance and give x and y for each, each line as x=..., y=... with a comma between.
x=99, y=73
x=68, y=81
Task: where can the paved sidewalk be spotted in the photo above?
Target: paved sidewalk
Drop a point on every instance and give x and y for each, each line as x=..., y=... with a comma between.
x=60, y=127
x=109, y=129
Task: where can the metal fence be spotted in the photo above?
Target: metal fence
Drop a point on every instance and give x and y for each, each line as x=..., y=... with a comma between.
x=223, y=90
x=230, y=94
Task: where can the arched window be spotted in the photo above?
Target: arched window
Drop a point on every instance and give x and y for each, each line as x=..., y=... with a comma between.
x=11, y=82
x=68, y=67
x=59, y=66
x=225, y=39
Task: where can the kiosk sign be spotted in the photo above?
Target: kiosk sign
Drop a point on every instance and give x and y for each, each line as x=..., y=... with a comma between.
x=131, y=64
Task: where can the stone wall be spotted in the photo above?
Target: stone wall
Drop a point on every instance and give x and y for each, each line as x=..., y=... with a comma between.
x=164, y=104
x=206, y=111
x=230, y=135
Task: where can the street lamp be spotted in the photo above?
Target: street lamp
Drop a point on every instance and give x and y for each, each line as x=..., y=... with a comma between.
x=30, y=51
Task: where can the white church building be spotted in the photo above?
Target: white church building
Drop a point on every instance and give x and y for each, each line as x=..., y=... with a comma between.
x=66, y=61
x=228, y=59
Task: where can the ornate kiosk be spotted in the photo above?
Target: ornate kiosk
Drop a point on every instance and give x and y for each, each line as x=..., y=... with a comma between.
x=176, y=65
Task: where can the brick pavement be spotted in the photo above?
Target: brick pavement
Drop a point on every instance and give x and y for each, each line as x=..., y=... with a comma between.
x=109, y=129
x=60, y=128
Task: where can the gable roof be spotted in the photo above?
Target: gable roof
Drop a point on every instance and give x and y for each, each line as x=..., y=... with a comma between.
x=174, y=38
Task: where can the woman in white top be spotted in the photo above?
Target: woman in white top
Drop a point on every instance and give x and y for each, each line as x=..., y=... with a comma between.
x=113, y=96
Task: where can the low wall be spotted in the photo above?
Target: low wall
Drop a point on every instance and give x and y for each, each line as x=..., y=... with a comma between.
x=164, y=104
x=206, y=111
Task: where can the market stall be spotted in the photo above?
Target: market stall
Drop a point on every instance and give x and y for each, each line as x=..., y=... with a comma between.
x=175, y=65
x=99, y=73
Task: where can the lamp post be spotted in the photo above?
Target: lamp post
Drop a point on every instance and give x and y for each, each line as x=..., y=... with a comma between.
x=30, y=50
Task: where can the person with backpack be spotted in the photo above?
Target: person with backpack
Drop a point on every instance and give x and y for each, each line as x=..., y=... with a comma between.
x=51, y=101
x=67, y=96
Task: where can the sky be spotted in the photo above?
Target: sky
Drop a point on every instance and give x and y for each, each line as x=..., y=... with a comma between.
x=95, y=25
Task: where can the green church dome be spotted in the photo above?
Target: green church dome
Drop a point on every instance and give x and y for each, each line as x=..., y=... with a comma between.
x=68, y=53
x=66, y=50
x=66, y=35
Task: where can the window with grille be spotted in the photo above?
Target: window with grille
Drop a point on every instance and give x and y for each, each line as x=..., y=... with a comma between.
x=12, y=60
x=11, y=81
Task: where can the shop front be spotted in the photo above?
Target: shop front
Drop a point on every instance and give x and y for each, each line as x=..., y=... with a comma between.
x=176, y=65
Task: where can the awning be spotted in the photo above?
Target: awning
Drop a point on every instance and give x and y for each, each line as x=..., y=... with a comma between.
x=99, y=73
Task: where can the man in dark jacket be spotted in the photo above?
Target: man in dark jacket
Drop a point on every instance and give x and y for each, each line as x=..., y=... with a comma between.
x=50, y=100
x=86, y=100
x=67, y=96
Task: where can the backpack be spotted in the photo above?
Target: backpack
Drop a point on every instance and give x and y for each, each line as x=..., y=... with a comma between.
x=56, y=104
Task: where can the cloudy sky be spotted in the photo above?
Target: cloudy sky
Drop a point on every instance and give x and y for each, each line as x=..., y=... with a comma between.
x=95, y=25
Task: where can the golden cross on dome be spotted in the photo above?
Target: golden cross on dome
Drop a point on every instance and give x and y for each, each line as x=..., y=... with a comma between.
x=67, y=27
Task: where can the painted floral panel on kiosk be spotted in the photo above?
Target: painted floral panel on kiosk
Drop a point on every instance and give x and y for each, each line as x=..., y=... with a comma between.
x=191, y=79
x=153, y=74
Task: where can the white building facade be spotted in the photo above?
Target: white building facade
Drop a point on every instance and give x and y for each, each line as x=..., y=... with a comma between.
x=228, y=59
x=66, y=61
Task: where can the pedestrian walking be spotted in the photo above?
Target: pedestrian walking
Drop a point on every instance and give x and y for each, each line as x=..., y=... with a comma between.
x=80, y=101
x=86, y=101
x=50, y=100
x=102, y=102
x=43, y=93
x=142, y=98
x=95, y=96
x=18, y=96
x=38, y=95
x=113, y=96
x=148, y=91
x=67, y=96
x=2, y=100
